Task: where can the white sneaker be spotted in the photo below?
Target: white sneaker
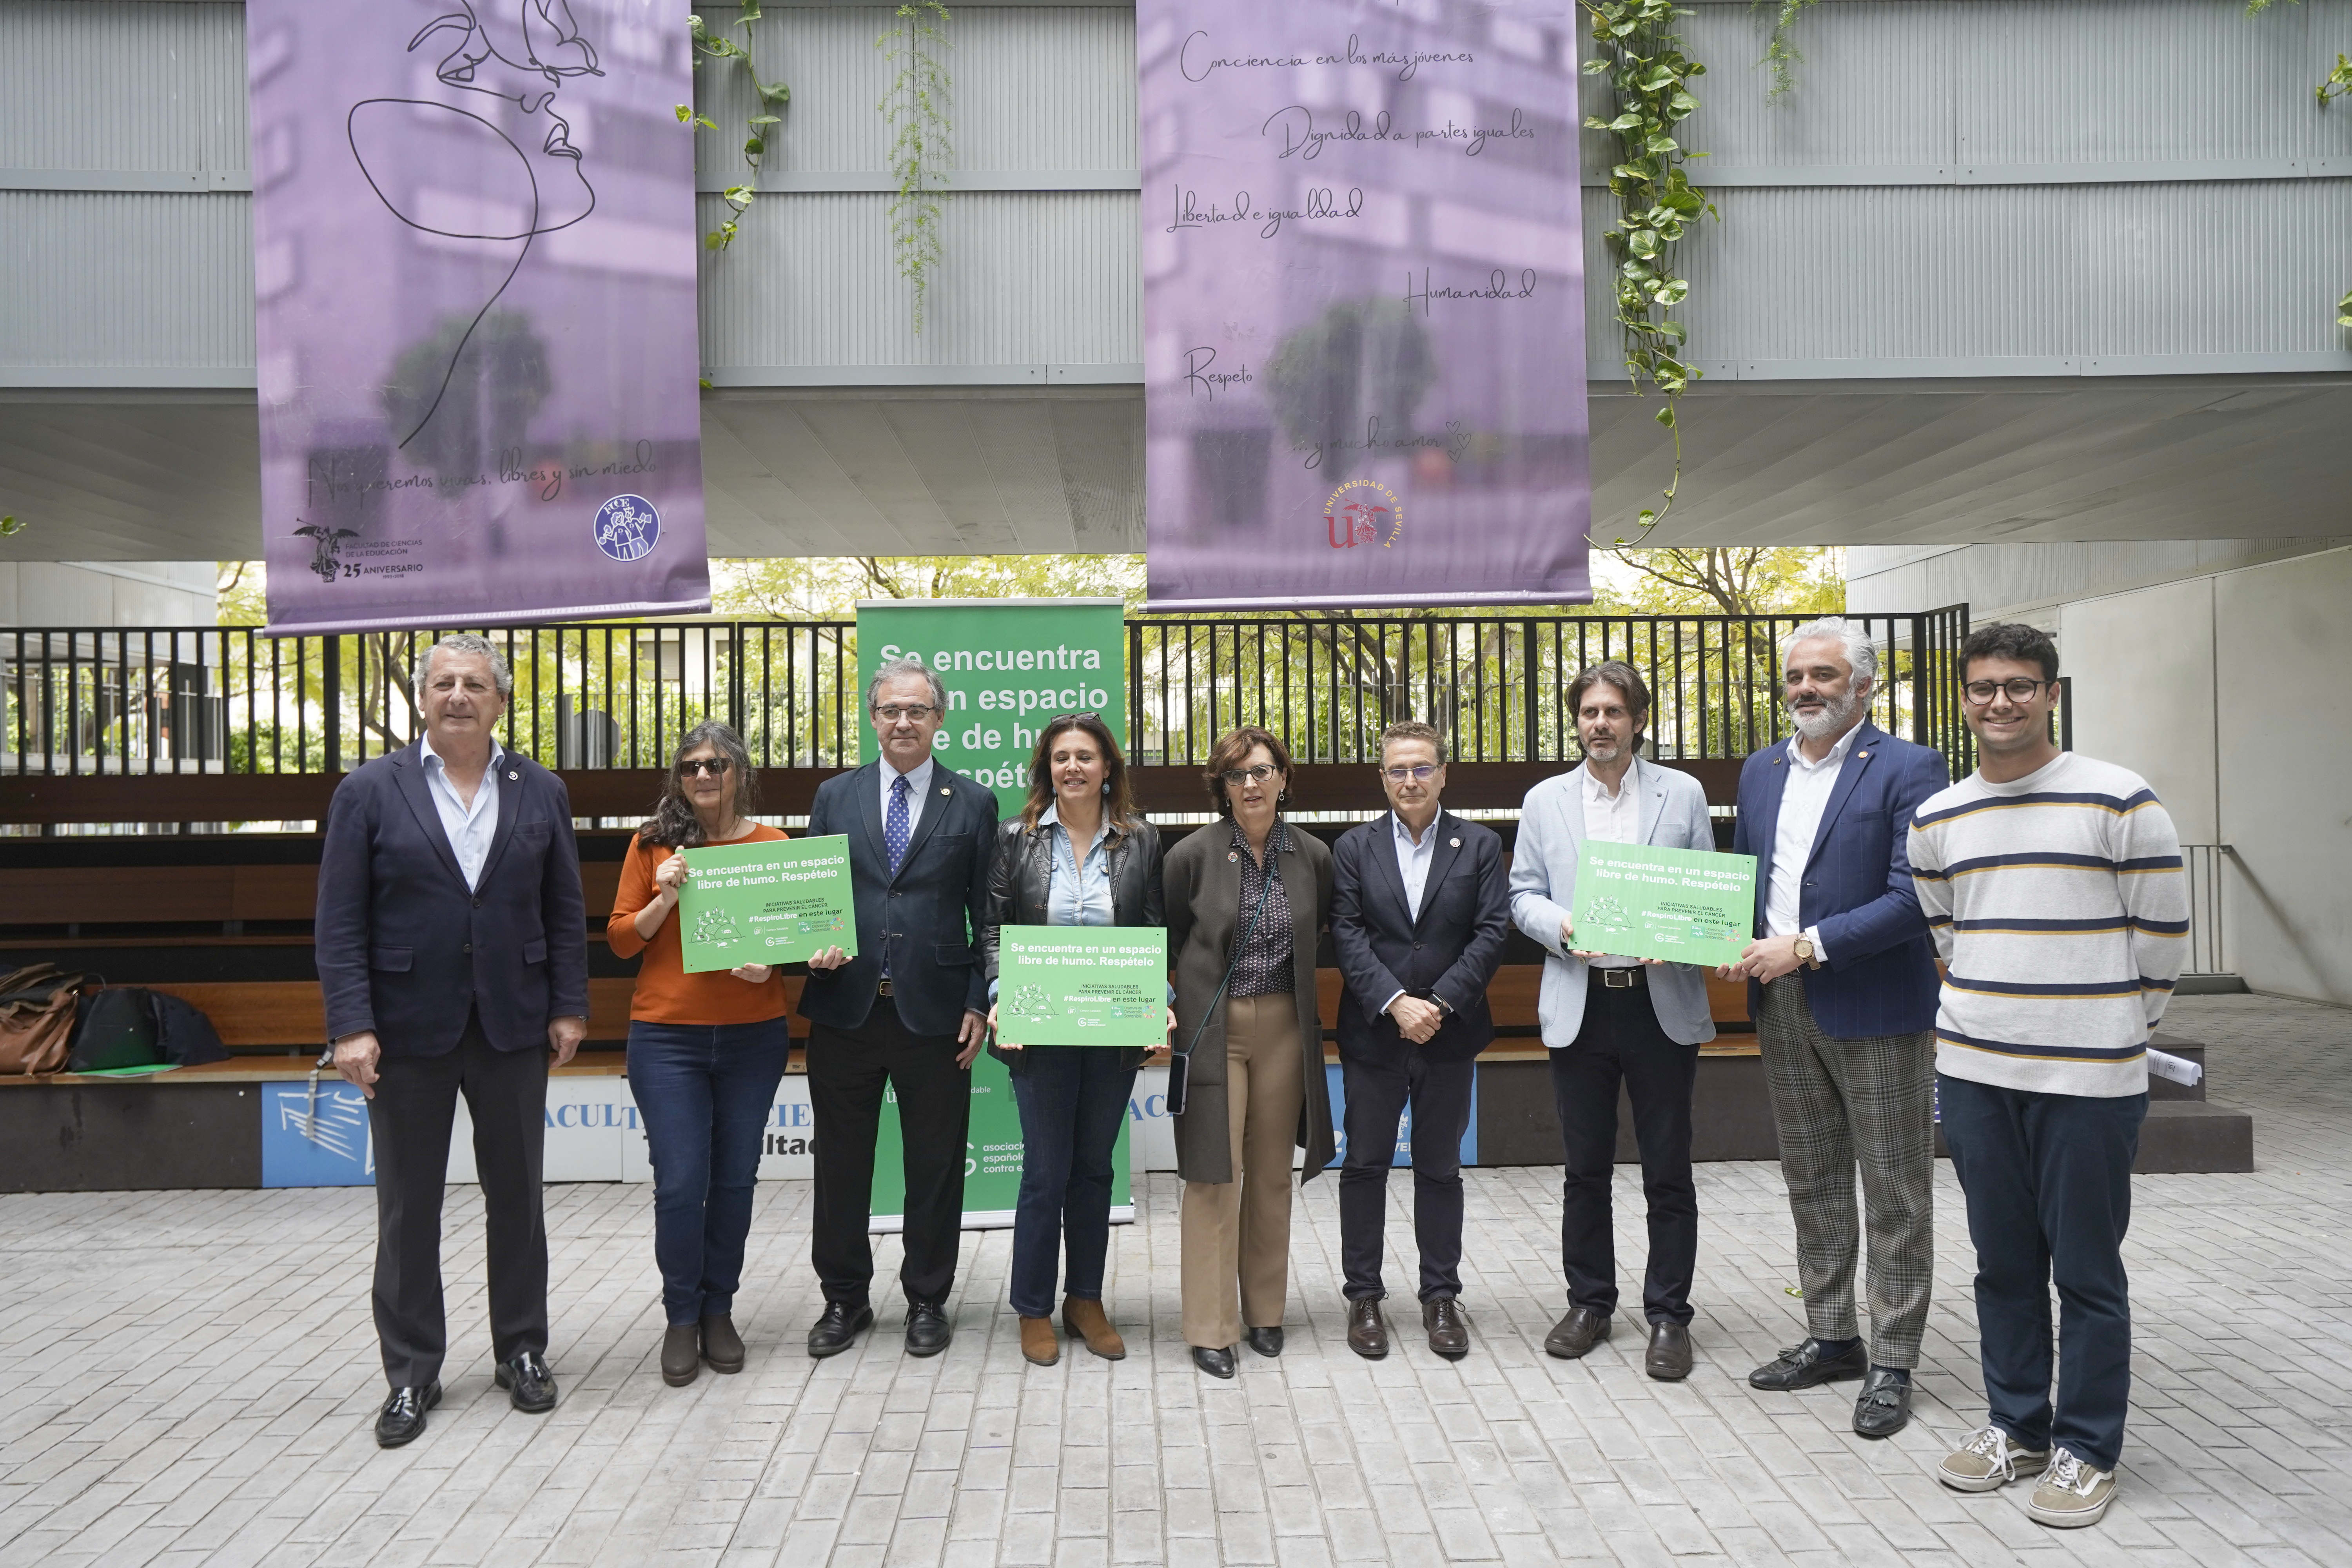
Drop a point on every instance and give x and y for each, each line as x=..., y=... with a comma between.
x=2072, y=1493
x=1988, y=1462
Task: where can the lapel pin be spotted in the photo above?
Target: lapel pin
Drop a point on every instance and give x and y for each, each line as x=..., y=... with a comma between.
x=514, y=774
x=1453, y=843
x=945, y=790
x=1862, y=753
x=1233, y=854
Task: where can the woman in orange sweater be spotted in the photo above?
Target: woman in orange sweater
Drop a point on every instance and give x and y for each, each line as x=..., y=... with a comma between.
x=706, y=1053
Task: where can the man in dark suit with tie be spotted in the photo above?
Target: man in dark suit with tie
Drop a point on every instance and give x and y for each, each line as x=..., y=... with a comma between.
x=1843, y=987
x=452, y=947
x=1420, y=911
x=909, y=1012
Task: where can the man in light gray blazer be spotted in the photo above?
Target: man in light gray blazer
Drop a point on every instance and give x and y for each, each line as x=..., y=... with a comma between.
x=1609, y=1019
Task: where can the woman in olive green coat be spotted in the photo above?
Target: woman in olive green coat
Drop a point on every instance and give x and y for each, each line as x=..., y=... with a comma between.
x=1257, y=1089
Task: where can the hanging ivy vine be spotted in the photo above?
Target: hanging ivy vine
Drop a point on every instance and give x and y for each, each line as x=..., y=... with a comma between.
x=2336, y=84
x=768, y=99
x=1781, y=54
x=1643, y=56
x=915, y=108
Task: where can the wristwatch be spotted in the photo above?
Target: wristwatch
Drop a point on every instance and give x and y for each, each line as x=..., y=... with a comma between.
x=1804, y=950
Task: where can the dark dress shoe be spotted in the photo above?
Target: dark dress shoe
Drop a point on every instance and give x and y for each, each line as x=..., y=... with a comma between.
x=1368, y=1331
x=529, y=1386
x=1884, y=1407
x=722, y=1347
x=928, y=1329
x=1804, y=1366
x=402, y=1419
x=681, y=1353
x=1265, y=1342
x=1669, y=1356
x=1216, y=1364
x=1578, y=1333
x=837, y=1328
x=1449, y=1336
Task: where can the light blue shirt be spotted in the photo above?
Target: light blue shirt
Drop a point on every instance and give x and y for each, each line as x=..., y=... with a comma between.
x=470, y=827
x=1079, y=892
x=1413, y=865
x=1413, y=860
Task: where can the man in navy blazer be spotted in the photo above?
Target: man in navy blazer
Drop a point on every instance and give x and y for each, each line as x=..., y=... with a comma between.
x=452, y=947
x=1842, y=984
x=1420, y=911
x=909, y=1012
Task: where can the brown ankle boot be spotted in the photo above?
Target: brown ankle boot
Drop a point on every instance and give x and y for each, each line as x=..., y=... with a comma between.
x=1038, y=1343
x=1088, y=1321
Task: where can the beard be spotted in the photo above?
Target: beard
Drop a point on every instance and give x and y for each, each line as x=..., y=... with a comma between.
x=1830, y=720
x=1605, y=751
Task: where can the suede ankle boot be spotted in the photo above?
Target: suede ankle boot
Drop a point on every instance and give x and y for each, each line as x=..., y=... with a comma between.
x=1086, y=1320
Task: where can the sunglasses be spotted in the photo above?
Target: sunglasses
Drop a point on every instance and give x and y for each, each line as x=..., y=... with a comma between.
x=695, y=767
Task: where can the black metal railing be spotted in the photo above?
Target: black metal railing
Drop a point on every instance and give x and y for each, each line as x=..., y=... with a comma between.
x=234, y=700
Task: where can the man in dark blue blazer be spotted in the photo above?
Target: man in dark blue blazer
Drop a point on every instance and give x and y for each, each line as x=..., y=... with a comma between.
x=1842, y=984
x=1420, y=911
x=452, y=947
x=909, y=1012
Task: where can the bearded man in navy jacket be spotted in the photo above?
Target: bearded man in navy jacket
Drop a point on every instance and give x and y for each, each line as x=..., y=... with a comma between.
x=1842, y=984
x=452, y=947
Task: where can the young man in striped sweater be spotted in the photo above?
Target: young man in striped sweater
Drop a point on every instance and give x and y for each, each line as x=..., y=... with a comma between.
x=2053, y=887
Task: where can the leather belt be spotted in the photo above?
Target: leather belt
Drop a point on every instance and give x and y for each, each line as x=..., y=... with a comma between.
x=883, y=988
x=1621, y=977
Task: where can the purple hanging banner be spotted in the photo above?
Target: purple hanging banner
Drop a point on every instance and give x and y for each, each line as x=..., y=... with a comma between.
x=474, y=311
x=1364, y=303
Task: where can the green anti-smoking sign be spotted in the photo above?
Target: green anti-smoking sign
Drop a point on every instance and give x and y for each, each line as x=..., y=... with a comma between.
x=1010, y=666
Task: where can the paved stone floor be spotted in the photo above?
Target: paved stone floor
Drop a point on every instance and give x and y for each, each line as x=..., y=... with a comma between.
x=189, y=1377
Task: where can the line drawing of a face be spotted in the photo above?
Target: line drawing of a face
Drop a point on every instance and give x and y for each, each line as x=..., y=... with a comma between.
x=519, y=53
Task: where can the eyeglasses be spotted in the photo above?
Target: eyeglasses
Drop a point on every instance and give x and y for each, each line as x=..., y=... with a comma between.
x=891, y=712
x=1236, y=777
x=1981, y=693
x=1421, y=772
x=695, y=767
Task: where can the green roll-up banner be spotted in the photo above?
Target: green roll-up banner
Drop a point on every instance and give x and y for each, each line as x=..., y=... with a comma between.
x=1009, y=664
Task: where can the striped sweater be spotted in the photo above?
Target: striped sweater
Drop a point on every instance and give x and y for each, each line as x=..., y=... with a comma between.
x=2059, y=905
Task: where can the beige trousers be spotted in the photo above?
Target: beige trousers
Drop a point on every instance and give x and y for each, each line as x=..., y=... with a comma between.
x=1236, y=1234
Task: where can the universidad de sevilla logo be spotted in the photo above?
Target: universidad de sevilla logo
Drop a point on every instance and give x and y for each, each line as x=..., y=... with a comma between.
x=1362, y=511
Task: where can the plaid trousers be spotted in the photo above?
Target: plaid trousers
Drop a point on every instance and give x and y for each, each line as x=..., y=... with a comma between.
x=1837, y=1103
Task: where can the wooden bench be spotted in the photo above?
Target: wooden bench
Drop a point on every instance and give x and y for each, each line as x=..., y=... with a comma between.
x=278, y=1015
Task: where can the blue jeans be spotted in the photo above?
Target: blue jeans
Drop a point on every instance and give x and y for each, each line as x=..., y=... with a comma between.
x=706, y=1093
x=1072, y=1101
x=2048, y=1182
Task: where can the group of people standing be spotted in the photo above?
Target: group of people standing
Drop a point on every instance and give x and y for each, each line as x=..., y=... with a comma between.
x=450, y=950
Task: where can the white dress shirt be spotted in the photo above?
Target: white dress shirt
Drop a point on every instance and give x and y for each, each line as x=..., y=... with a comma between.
x=1413, y=865
x=919, y=784
x=1614, y=819
x=470, y=827
x=1803, y=798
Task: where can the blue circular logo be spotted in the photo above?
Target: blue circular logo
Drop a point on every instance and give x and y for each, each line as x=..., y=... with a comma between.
x=627, y=528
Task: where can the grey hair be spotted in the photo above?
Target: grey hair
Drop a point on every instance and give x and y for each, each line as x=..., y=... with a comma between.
x=904, y=664
x=1860, y=651
x=463, y=642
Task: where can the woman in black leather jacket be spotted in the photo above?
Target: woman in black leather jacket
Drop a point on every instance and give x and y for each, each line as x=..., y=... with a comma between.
x=1078, y=854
